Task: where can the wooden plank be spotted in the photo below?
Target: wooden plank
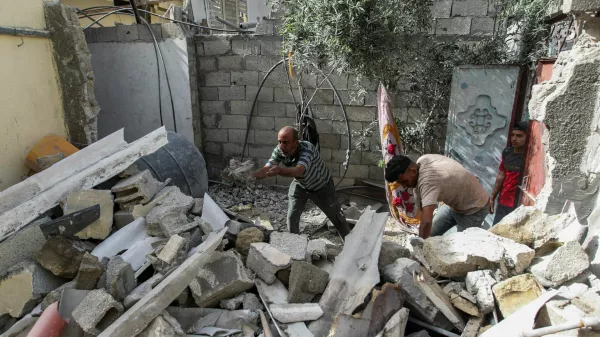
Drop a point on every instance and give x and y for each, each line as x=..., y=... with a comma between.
x=71, y=224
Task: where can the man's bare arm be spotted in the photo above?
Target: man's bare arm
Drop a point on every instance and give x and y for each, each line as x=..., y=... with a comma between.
x=292, y=172
x=261, y=173
x=426, y=221
x=497, y=188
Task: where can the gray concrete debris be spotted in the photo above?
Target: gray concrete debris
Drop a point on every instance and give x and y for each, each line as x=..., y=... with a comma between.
x=390, y=252
x=317, y=249
x=21, y=246
x=265, y=260
x=566, y=263
x=79, y=200
x=461, y=299
x=292, y=244
x=244, y=320
x=123, y=218
x=137, y=189
x=232, y=303
x=23, y=286
x=422, y=333
x=516, y=292
x=55, y=294
x=349, y=326
x=97, y=311
x=173, y=247
x=197, y=208
x=457, y=254
x=171, y=213
x=275, y=293
x=298, y=330
x=558, y=311
x=247, y=237
x=141, y=290
x=187, y=317
x=120, y=278
x=224, y=276
x=479, y=283
x=396, y=324
x=352, y=213
x=163, y=326
x=252, y=302
x=89, y=272
x=384, y=303
x=291, y=313
x=306, y=281
x=61, y=256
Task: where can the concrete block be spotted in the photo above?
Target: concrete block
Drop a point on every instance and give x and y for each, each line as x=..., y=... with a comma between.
x=101, y=228
x=199, y=49
x=170, y=217
x=339, y=127
x=262, y=123
x=123, y=218
x=279, y=79
x=215, y=135
x=244, y=77
x=20, y=246
x=356, y=83
x=441, y=9
x=232, y=62
x=284, y=95
x=172, y=30
x=208, y=93
x=272, y=48
x=470, y=8
x=453, y=26
x=214, y=108
x=271, y=109
x=340, y=82
x=265, y=138
x=127, y=33
x=209, y=121
x=566, y=263
x=320, y=96
x=280, y=122
x=232, y=93
x=361, y=114
x=265, y=261
x=217, y=47
x=207, y=64
x=330, y=140
x=479, y=283
x=482, y=26
x=238, y=136
x=232, y=303
x=173, y=247
x=137, y=189
x=291, y=110
x=245, y=47
x=349, y=97
x=224, y=276
x=265, y=27
x=292, y=244
x=306, y=281
x=145, y=35
x=120, y=278
x=260, y=63
x=257, y=151
x=89, y=272
x=252, y=302
x=230, y=149
x=61, y=256
x=339, y=156
x=233, y=122
x=390, y=252
x=328, y=112
x=291, y=313
x=242, y=107
x=515, y=292
x=23, y=286
x=265, y=95
x=461, y=299
x=211, y=148
x=106, y=34
x=370, y=158
x=97, y=311
x=216, y=79
x=356, y=171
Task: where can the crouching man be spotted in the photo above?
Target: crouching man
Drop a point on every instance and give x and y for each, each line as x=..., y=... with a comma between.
x=435, y=179
x=312, y=180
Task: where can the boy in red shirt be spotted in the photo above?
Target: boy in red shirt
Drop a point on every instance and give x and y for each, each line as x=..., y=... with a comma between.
x=510, y=173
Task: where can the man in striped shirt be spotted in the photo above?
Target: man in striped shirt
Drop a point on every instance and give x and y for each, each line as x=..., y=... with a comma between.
x=312, y=179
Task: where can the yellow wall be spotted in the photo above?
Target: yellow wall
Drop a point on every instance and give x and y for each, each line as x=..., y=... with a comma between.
x=30, y=103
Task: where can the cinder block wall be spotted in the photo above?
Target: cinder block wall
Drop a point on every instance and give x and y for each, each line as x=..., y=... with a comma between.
x=231, y=67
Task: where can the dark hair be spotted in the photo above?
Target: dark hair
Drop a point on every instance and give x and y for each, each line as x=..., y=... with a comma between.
x=396, y=166
x=521, y=126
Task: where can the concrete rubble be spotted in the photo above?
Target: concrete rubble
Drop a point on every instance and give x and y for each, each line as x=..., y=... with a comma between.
x=265, y=260
x=292, y=244
x=61, y=256
x=515, y=292
x=79, y=200
x=137, y=189
x=97, y=311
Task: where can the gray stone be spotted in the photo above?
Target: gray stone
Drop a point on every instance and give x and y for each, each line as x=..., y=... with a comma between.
x=470, y=8
x=162, y=326
x=266, y=261
x=216, y=79
x=317, y=249
x=566, y=263
x=97, y=311
x=23, y=286
x=390, y=252
x=120, y=278
x=20, y=246
x=197, y=208
x=79, y=200
x=127, y=33
x=482, y=26
x=441, y=9
x=224, y=276
x=246, y=238
x=306, y=281
x=61, y=256
x=252, y=302
x=56, y=294
x=217, y=47
x=422, y=333
x=141, y=290
x=123, y=218
x=292, y=244
x=137, y=189
x=232, y=303
x=275, y=293
x=291, y=313
x=174, y=247
x=453, y=26
x=171, y=213
x=89, y=272
x=461, y=299
x=479, y=283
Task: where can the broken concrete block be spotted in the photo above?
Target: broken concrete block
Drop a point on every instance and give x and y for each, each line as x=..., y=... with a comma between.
x=383, y=305
x=306, y=281
x=141, y=290
x=390, y=252
x=120, y=278
x=292, y=244
x=56, y=294
x=123, y=218
x=516, y=292
x=171, y=213
x=422, y=333
x=252, y=302
x=247, y=237
x=558, y=311
x=401, y=272
x=438, y=297
x=232, y=303
x=457, y=254
x=275, y=293
x=284, y=276
x=173, y=247
x=317, y=249
x=23, y=286
x=163, y=326
x=89, y=272
x=61, y=256
x=20, y=246
x=97, y=311
x=224, y=276
x=566, y=263
x=461, y=299
x=79, y=200
x=349, y=326
x=265, y=260
x=137, y=189
x=197, y=208
x=291, y=313
x=479, y=283
x=396, y=325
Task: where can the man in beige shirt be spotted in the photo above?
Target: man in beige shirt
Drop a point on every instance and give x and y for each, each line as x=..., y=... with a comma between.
x=435, y=179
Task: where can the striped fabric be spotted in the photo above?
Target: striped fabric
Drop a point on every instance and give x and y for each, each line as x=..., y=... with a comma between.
x=316, y=174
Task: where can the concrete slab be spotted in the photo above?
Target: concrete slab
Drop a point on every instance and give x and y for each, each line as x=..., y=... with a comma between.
x=265, y=260
x=292, y=244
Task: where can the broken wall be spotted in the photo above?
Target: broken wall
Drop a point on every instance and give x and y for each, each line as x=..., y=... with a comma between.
x=231, y=67
x=125, y=65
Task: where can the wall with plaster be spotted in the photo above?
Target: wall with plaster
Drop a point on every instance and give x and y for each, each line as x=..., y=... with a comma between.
x=30, y=98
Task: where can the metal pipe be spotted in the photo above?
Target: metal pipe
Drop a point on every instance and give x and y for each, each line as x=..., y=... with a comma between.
x=433, y=328
x=23, y=32
x=581, y=323
x=228, y=24
x=138, y=19
x=248, y=25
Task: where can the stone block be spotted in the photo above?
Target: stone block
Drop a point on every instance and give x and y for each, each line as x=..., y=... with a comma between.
x=141, y=290
x=238, y=136
x=241, y=107
x=233, y=62
x=123, y=218
x=216, y=79
x=171, y=214
x=245, y=47
x=137, y=189
x=106, y=34
x=61, y=256
x=266, y=261
x=232, y=93
x=331, y=141
x=461, y=299
x=233, y=122
x=172, y=30
x=89, y=272
x=390, y=252
x=382, y=306
x=280, y=122
x=566, y=263
x=260, y=63
x=127, y=33
x=265, y=95
x=361, y=114
x=101, y=228
x=356, y=171
x=265, y=138
x=97, y=311
x=262, y=123
x=453, y=26
x=213, y=108
x=271, y=109
x=371, y=98
x=211, y=148
x=224, y=276
x=470, y=8
x=441, y=9
x=120, y=278
x=483, y=26
x=232, y=303
x=265, y=27
x=23, y=286
x=233, y=149
x=20, y=246
x=145, y=35
x=306, y=281
x=340, y=82
x=272, y=48
x=252, y=302
x=215, y=135
x=292, y=244
x=320, y=96
x=208, y=93
x=317, y=249
x=515, y=292
x=291, y=313
x=207, y=64
x=244, y=77
x=173, y=247
x=479, y=283
x=217, y=47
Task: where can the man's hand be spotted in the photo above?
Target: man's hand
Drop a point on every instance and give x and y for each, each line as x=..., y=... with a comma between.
x=492, y=205
x=274, y=171
x=260, y=173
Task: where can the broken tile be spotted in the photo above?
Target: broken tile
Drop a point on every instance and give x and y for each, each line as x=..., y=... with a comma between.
x=97, y=311
x=292, y=244
x=79, y=200
x=265, y=260
x=89, y=272
x=61, y=256
x=516, y=292
x=306, y=281
x=291, y=313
